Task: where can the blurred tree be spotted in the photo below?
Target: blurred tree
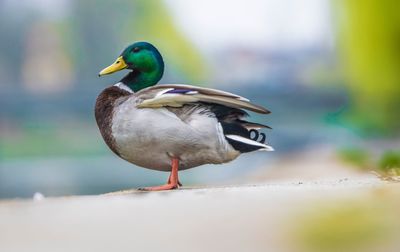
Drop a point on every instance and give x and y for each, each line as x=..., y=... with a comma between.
x=369, y=36
x=92, y=34
x=100, y=29
x=43, y=47
x=153, y=23
x=12, y=29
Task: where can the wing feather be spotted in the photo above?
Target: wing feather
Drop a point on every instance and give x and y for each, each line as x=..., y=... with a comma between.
x=164, y=95
x=206, y=91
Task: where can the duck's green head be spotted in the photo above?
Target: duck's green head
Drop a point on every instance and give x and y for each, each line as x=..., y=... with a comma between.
x=144, y=60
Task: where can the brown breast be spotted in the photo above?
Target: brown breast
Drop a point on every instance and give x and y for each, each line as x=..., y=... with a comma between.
x=104, y=110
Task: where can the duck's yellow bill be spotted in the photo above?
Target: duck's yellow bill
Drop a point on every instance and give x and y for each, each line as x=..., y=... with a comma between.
x=118, y=65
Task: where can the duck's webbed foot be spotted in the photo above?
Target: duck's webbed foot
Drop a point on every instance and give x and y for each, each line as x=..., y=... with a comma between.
x=159, y=188
x=173, y=180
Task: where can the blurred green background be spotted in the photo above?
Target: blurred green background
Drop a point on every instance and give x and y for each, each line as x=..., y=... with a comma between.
x=328, y=70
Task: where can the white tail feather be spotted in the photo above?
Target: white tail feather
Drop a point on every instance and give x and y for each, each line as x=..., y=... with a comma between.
x=250, y=142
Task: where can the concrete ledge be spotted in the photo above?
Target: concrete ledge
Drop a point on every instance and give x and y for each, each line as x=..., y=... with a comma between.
x=232, y=218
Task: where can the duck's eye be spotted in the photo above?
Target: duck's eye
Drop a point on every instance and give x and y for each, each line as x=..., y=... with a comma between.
x=136, y=49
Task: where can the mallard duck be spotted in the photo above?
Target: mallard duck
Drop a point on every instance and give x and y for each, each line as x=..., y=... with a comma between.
x=172, y=127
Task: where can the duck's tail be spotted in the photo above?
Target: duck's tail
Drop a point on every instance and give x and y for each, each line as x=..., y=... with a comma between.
x=244, y=136
x=244, y=140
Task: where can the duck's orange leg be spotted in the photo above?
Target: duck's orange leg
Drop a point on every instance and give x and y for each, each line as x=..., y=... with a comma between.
x=173, y=181
x=169, y=180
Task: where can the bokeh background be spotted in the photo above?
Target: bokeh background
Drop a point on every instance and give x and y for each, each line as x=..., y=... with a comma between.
x=328, y=70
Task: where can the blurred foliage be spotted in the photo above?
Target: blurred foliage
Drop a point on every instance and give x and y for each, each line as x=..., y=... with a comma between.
x=353, y=156
x=387, y=166
x=369, y=225
x=390, y=160
x=369, y=33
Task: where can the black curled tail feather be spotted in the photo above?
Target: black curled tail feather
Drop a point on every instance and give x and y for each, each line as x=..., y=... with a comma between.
x=242, y=135
x=255, y=136
x=241, y=139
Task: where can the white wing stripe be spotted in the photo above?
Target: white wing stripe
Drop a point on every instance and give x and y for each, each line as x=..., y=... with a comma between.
x=163, y=92
x=192, y=92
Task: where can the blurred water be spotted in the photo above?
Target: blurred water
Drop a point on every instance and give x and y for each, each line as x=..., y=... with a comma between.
x=96, y=175
x=299, y=118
